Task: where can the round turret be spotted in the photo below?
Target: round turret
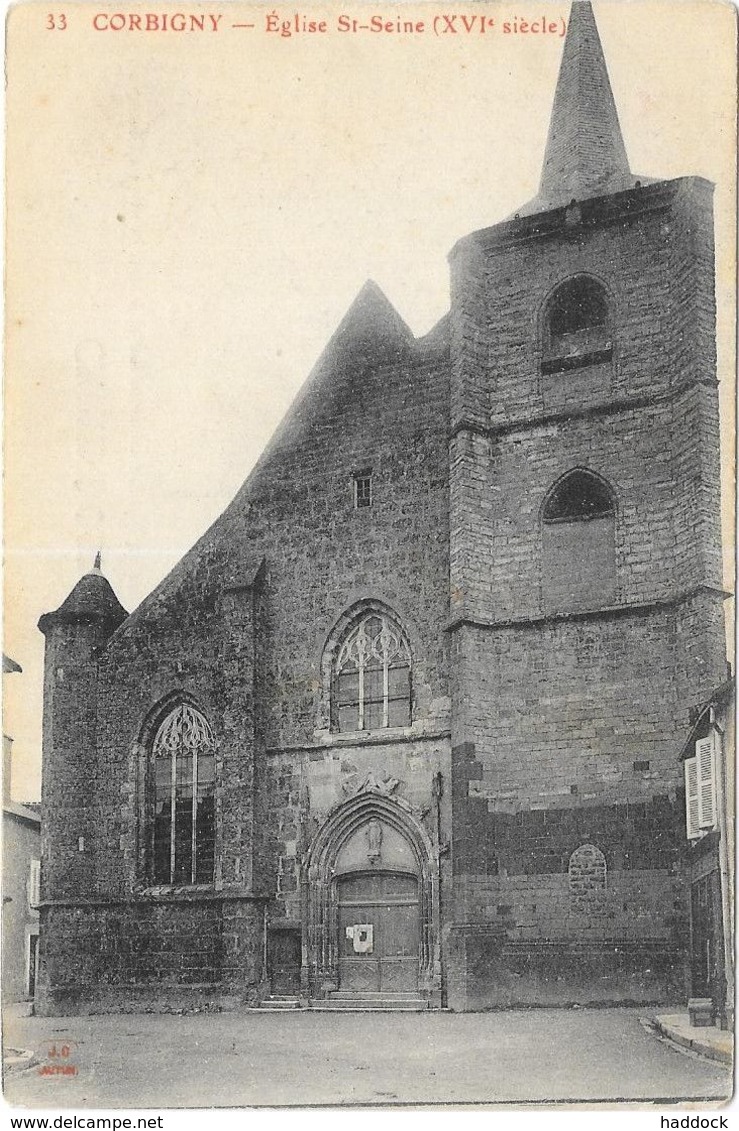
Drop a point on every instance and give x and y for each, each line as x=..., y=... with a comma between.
x=76, y=635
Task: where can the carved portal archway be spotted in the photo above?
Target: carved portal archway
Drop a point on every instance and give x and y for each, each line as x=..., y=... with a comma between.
x=377, y=834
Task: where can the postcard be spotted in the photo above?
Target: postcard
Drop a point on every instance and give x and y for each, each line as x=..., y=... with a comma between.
x=369, y=482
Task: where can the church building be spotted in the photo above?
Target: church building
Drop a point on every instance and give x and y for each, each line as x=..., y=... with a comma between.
x=403, y=727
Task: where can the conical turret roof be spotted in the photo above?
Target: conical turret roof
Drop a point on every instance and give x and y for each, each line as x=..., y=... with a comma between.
x=92, y=598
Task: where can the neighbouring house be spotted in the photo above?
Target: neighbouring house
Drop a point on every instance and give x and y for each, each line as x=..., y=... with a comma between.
x=21, y=883
x=708, y=767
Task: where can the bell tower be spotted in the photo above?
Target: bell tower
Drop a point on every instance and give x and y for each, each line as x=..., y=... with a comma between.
x=586, y=602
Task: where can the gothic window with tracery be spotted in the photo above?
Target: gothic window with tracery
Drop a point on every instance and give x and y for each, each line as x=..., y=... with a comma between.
x=184, y=799
x=372, y=676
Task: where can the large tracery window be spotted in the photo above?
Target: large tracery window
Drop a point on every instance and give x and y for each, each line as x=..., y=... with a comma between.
x=372, y=677
x=184, y=799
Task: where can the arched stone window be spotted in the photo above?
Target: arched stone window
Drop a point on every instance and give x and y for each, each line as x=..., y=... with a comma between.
x=587, y=872
x=578, y=542
x=371, y=677
x=183, y=786
x=577, y=327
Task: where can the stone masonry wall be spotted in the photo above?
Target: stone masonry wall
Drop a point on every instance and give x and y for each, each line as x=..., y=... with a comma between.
x=568, y=722
x=170, y=954
x=653, y=436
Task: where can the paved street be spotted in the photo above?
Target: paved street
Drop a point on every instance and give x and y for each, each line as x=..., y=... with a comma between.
x=145, y=1060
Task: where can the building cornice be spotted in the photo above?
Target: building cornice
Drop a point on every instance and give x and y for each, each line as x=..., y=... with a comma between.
x=347, y=742
x=609, y=612
x=604, y=408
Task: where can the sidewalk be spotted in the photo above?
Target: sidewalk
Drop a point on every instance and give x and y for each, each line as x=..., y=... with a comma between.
x=708, y=1040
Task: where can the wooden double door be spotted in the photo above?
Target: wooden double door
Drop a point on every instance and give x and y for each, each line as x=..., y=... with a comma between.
x=379, y=932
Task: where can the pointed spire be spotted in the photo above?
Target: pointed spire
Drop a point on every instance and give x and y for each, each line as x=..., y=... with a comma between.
x=96, y=564
x=585, y=154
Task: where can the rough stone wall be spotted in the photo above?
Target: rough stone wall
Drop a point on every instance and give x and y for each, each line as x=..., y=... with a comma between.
x=133, y=955
x=652, y=250
x=568, y=722
x=487, y=972
x=653, y=436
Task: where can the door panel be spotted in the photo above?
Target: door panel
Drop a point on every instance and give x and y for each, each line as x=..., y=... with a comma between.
x=400, y=975
x=285, y=960
x=386, y=906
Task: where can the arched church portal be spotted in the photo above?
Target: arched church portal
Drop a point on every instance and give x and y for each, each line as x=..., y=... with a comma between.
x=370, y=903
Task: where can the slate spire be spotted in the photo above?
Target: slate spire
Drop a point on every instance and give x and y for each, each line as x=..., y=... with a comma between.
x=585, y=154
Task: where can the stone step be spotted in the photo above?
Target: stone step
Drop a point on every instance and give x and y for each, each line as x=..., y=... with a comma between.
x=358, y=1004
x=280, y=1002
x=386, y=995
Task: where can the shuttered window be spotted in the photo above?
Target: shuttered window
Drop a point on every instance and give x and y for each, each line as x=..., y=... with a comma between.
x=700, y=790
x=34, y=884
x=690, y=768
x=706, y=783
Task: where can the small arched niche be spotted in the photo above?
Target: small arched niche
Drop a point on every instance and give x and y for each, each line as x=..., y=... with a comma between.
x=587, y=872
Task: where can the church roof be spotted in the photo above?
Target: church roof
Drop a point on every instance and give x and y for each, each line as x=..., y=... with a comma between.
x=585, y=154
x=372, y=323
x=370, y=333
x=91, y=599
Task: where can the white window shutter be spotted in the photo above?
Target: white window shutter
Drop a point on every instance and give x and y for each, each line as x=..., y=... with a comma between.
x=34, y=884
x=706, y=783
x=690, y=767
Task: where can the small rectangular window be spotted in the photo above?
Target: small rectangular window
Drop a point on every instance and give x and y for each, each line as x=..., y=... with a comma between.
x=363, y=489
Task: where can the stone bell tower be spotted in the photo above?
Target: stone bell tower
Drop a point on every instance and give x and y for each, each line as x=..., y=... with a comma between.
x=586, y=594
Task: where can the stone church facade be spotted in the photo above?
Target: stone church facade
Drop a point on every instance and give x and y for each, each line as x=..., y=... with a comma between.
x=404, y=725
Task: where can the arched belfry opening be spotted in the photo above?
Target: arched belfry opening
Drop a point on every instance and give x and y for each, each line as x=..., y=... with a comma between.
x=577, y=327
x=370, y=901
x=578, y=543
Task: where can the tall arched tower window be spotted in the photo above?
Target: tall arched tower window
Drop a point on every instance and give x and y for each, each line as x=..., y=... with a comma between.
x=183, y=778
x=578, y=543
x=577, y=326
x=371, y=678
